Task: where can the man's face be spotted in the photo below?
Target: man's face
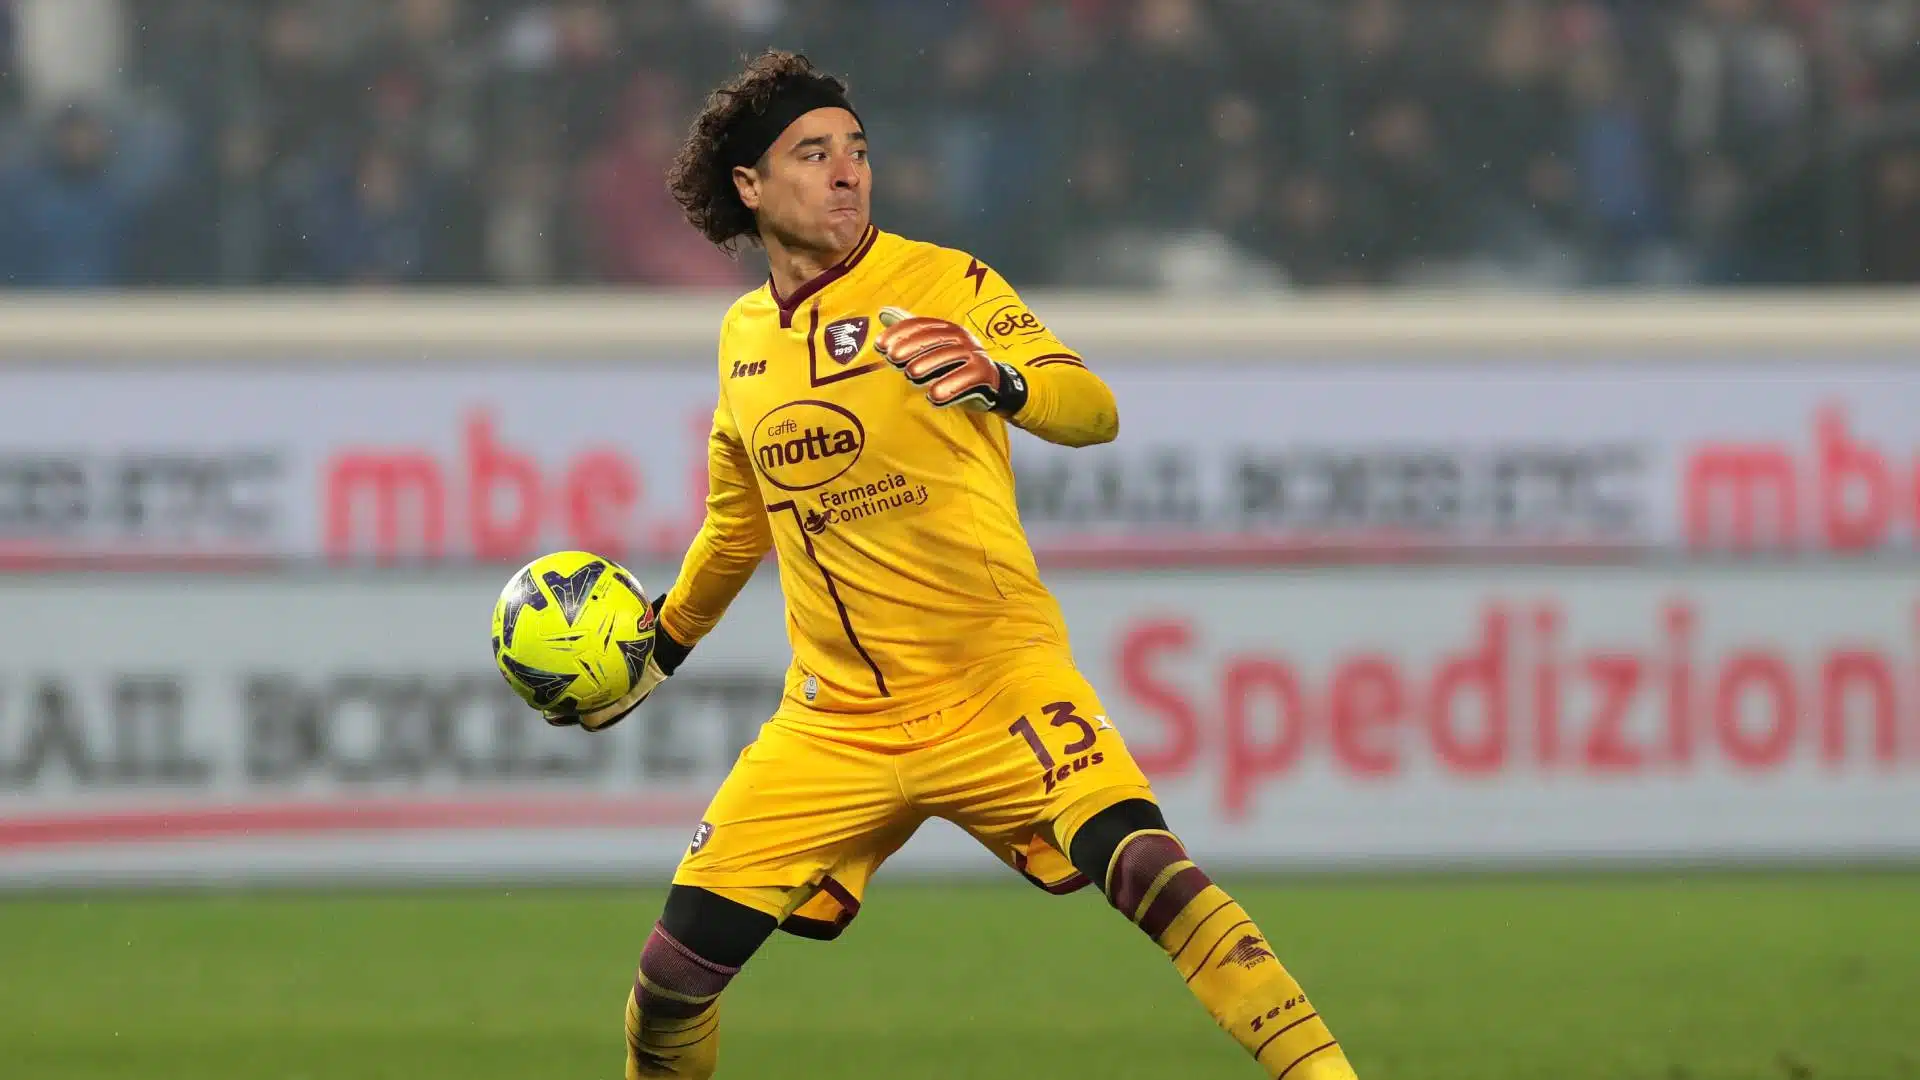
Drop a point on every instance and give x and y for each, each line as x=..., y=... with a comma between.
x=812, y=189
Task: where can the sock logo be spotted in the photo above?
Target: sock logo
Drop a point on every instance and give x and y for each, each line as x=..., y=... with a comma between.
x=1276, y=1012
x=1248, y=952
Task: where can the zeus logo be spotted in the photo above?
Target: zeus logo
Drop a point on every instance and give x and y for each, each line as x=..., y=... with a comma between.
x=1054, y=775
x=741, y=369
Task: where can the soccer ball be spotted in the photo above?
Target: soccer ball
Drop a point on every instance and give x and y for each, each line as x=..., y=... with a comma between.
x=572, y=632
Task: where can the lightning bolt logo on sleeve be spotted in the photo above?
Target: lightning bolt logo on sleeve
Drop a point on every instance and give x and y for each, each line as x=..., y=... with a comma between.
x=978, y=273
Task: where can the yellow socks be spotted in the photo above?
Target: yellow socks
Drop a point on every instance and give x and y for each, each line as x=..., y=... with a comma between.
x=673, y=1013
x=1224, y=958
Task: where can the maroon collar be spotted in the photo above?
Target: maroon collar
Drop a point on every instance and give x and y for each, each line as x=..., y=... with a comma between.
x=789, y=305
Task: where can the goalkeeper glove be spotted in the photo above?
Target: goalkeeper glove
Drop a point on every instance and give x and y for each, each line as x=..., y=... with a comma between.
x=662, y=660
x=950, y=362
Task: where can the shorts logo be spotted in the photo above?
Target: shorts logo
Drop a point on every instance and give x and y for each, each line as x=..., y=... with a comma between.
x=846, y=337
x=1248, y=952
x=810, y=688
x=1053, y=776
x=701, y=834
x=1005, y=321
x=804, y=444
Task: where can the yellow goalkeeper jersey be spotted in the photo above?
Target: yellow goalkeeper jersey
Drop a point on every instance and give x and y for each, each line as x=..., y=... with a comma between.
x=908, y=579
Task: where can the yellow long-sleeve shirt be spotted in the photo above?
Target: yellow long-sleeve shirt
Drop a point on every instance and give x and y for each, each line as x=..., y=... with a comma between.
x=908, y=579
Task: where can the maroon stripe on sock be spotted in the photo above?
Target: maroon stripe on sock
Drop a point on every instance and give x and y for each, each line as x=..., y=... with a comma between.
x=671, y=966
x=1175, y=895
x=665, y=1008
x=1305, y=1056
x=1135, y=866
x=706, y=1028
x=1193, y=933
x=1229, y=933
x=1283, y=1031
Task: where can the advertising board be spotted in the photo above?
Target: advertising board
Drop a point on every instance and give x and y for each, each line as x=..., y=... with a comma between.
x=158, y=728
x=1220, y=461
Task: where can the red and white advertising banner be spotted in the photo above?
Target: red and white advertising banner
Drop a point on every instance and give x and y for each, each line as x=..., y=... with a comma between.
x=158, y=728
x=1218, y=462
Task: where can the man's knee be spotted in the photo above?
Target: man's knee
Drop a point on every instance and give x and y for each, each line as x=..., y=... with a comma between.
x=714, y=928
x=696, y=948
x=1138, y=863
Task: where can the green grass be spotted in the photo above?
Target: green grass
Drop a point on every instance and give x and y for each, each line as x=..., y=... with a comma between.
x=1727, y=977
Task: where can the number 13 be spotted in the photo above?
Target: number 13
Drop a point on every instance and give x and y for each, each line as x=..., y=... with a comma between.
x=1060, y=714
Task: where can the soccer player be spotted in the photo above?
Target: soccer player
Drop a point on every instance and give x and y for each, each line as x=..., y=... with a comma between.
x=867, y=395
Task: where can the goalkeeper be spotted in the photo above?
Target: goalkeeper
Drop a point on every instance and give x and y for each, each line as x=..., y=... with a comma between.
x=867, y=393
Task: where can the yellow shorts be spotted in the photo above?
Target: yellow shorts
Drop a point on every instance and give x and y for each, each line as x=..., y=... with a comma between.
x=808, y=813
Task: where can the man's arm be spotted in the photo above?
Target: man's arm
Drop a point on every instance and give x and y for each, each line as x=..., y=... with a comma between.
x=732, y=540
x=972, y=342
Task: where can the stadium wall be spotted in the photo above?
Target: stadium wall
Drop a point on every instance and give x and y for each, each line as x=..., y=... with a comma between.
x=1379, y=584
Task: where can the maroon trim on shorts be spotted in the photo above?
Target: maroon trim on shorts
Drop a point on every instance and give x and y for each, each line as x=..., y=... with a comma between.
x=849, y=903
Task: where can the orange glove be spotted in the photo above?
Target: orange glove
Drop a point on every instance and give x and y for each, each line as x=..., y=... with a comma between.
x=954, y=367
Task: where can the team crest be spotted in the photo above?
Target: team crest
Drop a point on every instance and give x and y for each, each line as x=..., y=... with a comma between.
x=701, y=834
x=1248, y=952
x=846, y=337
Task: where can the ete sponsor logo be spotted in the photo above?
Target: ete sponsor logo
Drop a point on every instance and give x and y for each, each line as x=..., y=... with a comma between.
x=1005, y=320
x=846, y=337
x=804, y=444
x=753, y=367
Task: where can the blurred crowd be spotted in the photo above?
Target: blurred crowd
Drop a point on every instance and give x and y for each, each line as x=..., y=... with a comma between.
x=1178, y=144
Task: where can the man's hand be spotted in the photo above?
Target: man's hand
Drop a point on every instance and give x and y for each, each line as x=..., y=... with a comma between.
x=662, y=661
x=950, y=362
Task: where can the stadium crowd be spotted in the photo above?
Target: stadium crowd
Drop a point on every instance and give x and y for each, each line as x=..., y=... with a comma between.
x=1197, y=144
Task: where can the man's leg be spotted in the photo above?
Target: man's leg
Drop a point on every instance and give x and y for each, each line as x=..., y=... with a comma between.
x=803, y=820
x=1226, y=960
x=673, y=1014
x=1037, y=771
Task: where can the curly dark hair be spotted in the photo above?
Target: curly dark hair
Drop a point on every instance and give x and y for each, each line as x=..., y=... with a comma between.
x=700, y=179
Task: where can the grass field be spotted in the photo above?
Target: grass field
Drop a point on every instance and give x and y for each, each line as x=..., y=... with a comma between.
x=1711, y=978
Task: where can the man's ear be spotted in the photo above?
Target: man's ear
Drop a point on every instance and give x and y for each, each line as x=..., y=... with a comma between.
x=746, y=181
